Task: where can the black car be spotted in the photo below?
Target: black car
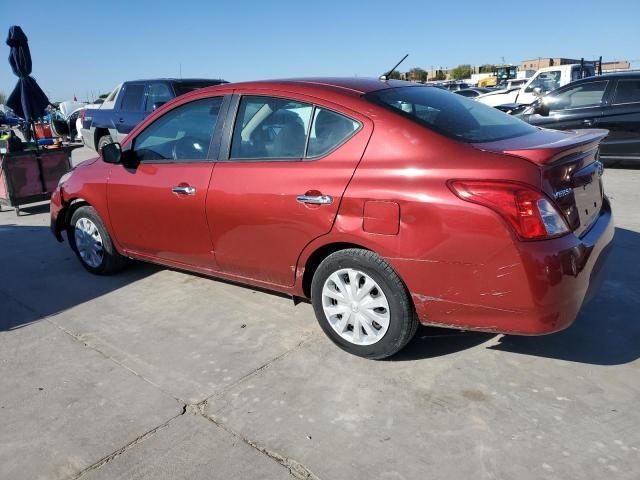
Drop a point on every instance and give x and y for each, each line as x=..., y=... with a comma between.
x=472, y=92
x=610, y=101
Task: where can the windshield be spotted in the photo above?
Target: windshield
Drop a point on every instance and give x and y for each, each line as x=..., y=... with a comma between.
x=452, y=115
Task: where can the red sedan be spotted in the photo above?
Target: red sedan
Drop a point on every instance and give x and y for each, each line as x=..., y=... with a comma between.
x=384, y=202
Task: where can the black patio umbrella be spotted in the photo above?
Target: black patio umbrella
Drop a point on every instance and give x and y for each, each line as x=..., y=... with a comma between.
x=27, y=100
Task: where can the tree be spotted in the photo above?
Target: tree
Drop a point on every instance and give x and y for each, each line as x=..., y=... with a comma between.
x=440, y=75
x=395, y=75
x=3, y=98
x=461, y=71
x=417, y=74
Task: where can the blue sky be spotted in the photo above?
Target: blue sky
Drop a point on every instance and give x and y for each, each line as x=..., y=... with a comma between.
x=85, y=48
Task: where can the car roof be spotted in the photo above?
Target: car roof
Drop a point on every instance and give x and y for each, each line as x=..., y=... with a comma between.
x=354, y=86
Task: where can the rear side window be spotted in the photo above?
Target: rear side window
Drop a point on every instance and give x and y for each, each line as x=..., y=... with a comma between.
x=452, y=115
x=158, y=93
x=132, y=100
x=329, y=130
x=270, y=127
x=279, y=128
x=181, y=134
x=627, y=91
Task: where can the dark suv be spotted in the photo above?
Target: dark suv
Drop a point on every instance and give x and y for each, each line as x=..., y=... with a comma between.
x=130, y=103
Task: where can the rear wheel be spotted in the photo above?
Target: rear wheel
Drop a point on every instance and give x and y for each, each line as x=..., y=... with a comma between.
x=104, y=140
x=92, y=244
x=362, y=305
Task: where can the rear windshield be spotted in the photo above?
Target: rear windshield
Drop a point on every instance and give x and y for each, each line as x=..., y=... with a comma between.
x=186, y=86
x=452, y=115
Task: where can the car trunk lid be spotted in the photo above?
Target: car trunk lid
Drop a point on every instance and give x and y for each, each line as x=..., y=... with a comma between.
x=570, y=168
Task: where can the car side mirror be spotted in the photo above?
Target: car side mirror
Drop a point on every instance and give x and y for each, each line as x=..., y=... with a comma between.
x=537, y=91
x=541, y=108
x=157, y=105
x=112, y=153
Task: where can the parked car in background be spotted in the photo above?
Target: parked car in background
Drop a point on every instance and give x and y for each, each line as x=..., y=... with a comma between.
x=452, y=86
x=63, y=119
x=610, y=101
x=472, y=92
x=130, y=103
x=7, y=117
x=543, y=81
x=386, y=203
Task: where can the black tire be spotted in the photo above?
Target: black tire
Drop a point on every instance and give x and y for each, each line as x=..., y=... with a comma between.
x=102, y=141
x=403, y=321
x=111, y=261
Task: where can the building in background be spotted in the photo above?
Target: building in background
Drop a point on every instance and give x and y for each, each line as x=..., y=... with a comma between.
x=538, y=63
x=616, y=66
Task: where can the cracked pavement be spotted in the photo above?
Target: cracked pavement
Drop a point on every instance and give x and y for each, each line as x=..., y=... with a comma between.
x=155, y=373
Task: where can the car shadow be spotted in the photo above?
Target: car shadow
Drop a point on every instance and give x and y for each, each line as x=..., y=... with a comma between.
x=41, y=277
x=431, y=342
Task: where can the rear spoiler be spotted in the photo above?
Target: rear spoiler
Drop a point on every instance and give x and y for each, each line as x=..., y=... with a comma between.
x=548, y=148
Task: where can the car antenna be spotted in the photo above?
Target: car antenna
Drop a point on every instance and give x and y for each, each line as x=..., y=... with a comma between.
x=385, y=76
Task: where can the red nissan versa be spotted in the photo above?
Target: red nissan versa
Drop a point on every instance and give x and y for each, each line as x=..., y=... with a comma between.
x=384, y=202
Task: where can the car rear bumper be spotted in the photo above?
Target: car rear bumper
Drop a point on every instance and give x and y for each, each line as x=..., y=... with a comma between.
x=542, y=292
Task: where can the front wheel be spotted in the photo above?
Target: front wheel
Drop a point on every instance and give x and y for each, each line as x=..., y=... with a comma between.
x=362, y=305
x=92, y=244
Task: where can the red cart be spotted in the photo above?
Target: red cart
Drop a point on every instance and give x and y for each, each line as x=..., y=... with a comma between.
x=28, y=177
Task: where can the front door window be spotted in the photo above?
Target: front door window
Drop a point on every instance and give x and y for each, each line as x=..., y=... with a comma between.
x=580, y=96
x=182, y=134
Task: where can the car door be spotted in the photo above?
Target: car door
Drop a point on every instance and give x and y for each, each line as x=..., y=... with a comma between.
x=622, y=118
x=284, y=166
x=574, y=106
x=130, y=110
x=157, y=204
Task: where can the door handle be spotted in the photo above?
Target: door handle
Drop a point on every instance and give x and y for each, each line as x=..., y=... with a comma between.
x=121, y=120
x=184, y=190
x=587, y=123
x=315, y=199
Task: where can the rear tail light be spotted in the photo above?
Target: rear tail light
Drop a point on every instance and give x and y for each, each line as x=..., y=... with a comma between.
x=527, y=210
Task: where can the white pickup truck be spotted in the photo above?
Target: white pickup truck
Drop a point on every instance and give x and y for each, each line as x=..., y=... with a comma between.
x=545, y=79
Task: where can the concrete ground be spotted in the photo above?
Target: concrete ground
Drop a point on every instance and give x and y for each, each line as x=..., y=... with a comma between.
x=155, y=373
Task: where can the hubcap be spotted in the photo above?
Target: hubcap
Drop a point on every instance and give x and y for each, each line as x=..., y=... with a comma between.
x=355, y=306
x=89, y=242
